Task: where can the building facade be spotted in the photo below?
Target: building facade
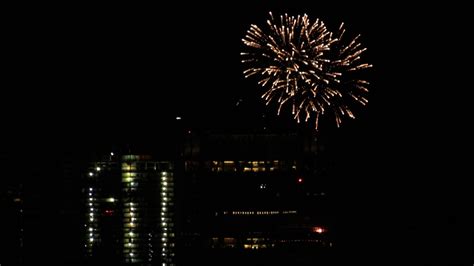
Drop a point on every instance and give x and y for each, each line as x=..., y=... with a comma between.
x=265, y=191
x=129, y=211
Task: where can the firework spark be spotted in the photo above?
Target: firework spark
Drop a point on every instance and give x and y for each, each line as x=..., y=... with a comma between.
x=302, y=64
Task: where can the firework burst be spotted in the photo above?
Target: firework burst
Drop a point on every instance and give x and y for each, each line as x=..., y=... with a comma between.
x=304, y=65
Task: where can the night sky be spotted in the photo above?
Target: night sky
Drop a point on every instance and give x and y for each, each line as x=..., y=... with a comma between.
x=81, y=78
x=97, y=71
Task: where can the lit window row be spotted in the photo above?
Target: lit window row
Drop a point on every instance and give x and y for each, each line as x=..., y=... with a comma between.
x=129, y=167
x=131, y=236
x=302, y=241
x=91, y=220
x=259, y=212
x=165, y=217
x=249, y=166
x=140, y=166
x=255, y=246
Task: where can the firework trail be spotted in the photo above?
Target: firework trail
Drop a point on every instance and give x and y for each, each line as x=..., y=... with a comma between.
x=304, y=65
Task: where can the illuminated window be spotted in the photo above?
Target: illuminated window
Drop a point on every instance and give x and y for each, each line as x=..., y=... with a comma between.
x=318, y=229
x=110, y=200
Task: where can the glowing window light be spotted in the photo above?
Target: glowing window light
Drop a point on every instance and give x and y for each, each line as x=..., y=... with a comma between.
x=91, y=219
x=131, y=234
x=131, y=254
x=319, y=229
x=110, y=200
x=91, y=174
x=91, y=239
x=165, y=183
x=91, y=229
x=92, y=209
x=97, y=169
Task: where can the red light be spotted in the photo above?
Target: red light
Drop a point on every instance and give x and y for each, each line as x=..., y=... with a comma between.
x=109, y=212
x=300, y=180
x=318, y=229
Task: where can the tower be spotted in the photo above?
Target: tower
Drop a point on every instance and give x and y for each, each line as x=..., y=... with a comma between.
x=129, y=210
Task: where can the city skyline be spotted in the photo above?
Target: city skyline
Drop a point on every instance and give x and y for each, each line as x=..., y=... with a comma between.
x=85, y=80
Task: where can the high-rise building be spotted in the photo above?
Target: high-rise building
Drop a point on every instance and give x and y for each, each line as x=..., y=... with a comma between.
x=129, y=210
x=255, y=190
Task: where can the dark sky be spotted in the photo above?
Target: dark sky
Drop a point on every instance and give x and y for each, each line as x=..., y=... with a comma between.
x=102, y=69
x=117, y=70
x=79, y=76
